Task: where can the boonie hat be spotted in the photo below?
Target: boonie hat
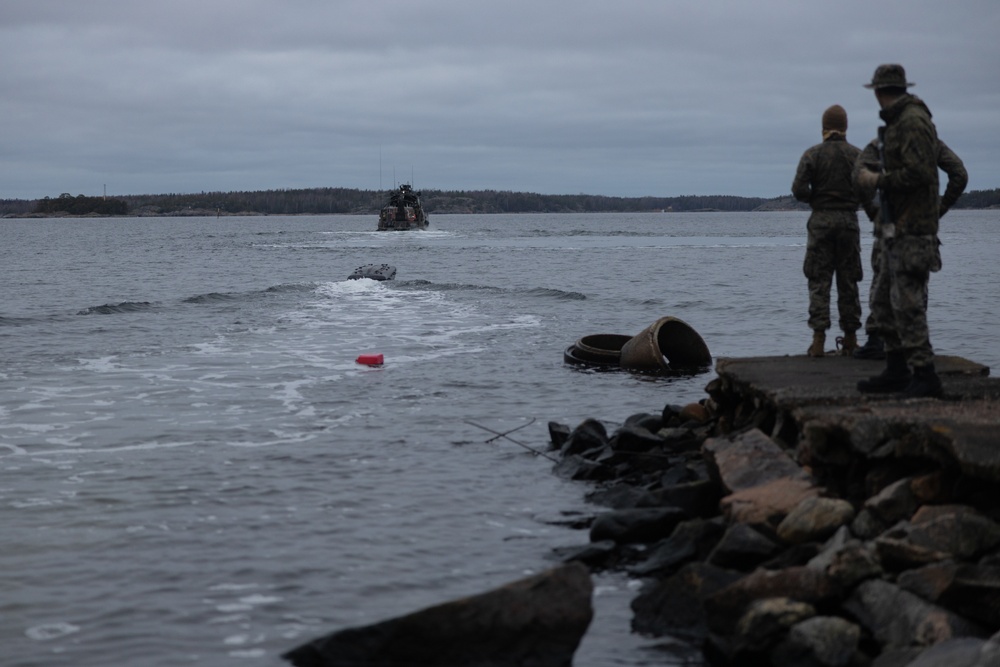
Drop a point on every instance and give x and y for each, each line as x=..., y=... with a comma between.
x=889, y=76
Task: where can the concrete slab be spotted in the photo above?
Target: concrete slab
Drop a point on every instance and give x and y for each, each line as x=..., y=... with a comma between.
x=790, y=382
x=820, y=396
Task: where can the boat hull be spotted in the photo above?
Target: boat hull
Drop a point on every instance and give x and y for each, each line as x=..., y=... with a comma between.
x=403, y=211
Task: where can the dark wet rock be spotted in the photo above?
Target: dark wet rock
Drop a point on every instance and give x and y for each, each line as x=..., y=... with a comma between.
x=898, y=657
x=955, y=529
x=896, y=553
x=967, y=589
x=578, y=468
x=965, y=652
x=847, y=561
x=690, y=471
x=624, y=496
x=590, y=434
x=632, y=438
x=690, y=539
x=680, y=439
x=670, y=415
x=794, y=556
x=558, y=435
x=768, y=620
x=595, y=554
x=823, y=641
x=539, y=620
x=742, y=548
x=697, y=498
x=867, y=525
x=726, y=606
x=934, y=488
x=636, y=525
x=815, y=519
x=674, y=606
x=895, y=502
x=645, y=420
x=897, y=618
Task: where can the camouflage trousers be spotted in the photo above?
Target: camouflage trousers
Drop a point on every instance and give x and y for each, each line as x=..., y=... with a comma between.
x=833, y=250
x=898, y=297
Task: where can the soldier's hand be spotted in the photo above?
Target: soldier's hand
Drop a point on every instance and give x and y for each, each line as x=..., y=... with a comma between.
x=867, y=179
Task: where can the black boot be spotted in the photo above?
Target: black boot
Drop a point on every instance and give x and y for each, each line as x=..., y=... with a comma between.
x=925, y=383
x=872, y=349
x=895, y=377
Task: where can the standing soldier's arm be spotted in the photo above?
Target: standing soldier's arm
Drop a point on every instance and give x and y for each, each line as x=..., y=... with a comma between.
x=802, y=185
x=869, y=156
x=958, y=177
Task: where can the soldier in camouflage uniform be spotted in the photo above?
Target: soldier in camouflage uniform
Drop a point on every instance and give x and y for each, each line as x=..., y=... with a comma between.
x=910, y=206
x=952, y=165
x=824, y=180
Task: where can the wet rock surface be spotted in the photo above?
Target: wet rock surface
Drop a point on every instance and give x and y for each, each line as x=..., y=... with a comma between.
x=802, y=523
x=538, y=621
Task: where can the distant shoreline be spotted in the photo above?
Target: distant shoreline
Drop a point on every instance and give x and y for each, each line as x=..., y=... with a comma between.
x=344, y=201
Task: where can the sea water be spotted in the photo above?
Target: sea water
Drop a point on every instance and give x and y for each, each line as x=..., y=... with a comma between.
x=195, y=470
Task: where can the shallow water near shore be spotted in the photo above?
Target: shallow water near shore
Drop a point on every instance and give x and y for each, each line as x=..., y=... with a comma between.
x=196, y=471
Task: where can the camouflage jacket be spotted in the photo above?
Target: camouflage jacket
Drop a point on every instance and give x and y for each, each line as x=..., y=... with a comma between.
x=823, y=178
x=947, y=161
x=910, y=180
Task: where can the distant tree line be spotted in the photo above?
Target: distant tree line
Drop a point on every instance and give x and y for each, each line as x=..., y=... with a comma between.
x=81, y=205
x=979, y=199
x=343, y=200
x=326, y=201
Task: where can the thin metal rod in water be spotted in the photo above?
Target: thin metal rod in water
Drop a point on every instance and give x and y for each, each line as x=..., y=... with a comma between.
x=498, y=434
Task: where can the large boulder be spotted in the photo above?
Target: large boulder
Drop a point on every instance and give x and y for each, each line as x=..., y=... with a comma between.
x=968, y=589
x=589, y=435
x=823, y=641
x=815, y=519
x=765, y=506
x=535, y=621
x=899, y=619
x=750, y=460
x=725, y=607
x=674, y=606
x=964, y=652
x=690, y=539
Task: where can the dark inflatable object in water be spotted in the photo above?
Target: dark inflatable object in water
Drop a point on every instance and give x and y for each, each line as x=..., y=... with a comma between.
x=669, y=346
x=374, y=271
x=606, y=348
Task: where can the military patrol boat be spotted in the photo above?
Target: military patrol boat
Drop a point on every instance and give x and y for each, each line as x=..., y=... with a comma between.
x=403, y=211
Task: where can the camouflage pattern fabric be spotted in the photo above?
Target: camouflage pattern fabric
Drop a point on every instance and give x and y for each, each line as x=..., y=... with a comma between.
x=908, y=238
x=948, y=162
x=910, y=181
x=824, y=179
x=899, y=296
x=833, y=249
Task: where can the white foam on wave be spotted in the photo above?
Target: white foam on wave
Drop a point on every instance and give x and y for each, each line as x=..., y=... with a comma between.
x=107, y=364
x=233, y=587
x=108, y=450
x=51, y=631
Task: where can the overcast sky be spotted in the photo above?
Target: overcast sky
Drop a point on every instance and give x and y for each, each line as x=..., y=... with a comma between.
x=630, y=98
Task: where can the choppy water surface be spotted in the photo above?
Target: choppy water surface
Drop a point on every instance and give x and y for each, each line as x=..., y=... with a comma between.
x=196, y=471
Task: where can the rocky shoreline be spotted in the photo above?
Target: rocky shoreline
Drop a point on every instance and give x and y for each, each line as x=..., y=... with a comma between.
x=785, y=520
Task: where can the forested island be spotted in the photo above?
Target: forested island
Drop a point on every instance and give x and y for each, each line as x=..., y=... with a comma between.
x=346, y=201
